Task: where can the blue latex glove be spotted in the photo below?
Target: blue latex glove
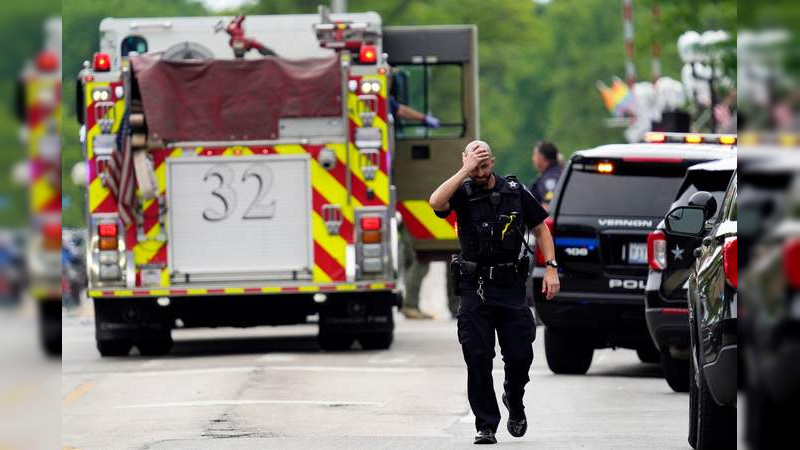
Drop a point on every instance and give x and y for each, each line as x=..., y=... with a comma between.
x=431, y=122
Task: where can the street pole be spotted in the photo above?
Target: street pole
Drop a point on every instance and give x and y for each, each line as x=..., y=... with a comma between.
x=338, y=6
x=627, y=34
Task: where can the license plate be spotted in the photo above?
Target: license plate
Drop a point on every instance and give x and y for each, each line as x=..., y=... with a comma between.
x=637, y=253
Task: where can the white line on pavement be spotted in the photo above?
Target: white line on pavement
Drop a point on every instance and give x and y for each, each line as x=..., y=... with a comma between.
x=248, y=402
x=348, y=369
x=276, y=358
x=245, y=369
x=152, y=363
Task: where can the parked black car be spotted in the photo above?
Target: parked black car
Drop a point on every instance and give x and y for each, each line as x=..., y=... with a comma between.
x=769, y=211
x=713, y=312
x=608, y=200
x=670, y=258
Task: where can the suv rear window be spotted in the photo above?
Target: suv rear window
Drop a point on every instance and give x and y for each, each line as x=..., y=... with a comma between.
x=645, y=191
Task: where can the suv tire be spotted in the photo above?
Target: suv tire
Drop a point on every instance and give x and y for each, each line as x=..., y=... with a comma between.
x=566, y=353
x=716, y=425
x=676, y=372
x=648, y=354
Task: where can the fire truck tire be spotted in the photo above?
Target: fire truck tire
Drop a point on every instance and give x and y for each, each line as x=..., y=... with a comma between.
x=155, y=346
x=114, y=347
x=376, y=341
x=333, y=342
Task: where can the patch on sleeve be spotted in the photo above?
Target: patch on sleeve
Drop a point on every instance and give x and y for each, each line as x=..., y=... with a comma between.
x=550, y=184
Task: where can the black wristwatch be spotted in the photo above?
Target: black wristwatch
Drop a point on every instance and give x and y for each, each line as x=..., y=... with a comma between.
x=551, y=263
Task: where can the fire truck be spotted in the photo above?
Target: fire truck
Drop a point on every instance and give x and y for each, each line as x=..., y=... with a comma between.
x=247, y=171
x=38, y=108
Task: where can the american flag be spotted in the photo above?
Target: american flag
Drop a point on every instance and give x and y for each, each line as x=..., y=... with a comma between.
x=121, y=180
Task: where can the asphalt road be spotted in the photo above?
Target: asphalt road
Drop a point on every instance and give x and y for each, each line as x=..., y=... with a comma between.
x=274, y=388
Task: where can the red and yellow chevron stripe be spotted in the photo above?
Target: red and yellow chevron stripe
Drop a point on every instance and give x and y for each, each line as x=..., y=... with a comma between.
x=100, y=198
x=422, y=223
x=43, y=107
x=295, y=289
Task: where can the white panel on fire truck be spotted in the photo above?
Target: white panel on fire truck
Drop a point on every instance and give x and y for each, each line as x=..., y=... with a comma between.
x=239, y=218
x=291, y=36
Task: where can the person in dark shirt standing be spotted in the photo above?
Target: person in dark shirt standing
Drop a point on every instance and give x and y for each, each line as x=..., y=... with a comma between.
x=493, y=214
x=546, y=162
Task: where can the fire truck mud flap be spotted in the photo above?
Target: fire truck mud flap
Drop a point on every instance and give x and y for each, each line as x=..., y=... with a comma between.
x=366, y=317
x=120, y=325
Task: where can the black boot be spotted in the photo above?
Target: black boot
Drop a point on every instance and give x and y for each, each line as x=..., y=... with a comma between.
x=485, y=437
x=517, y=422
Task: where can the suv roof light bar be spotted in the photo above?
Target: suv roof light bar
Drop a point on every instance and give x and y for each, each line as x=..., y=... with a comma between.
x=659, y=137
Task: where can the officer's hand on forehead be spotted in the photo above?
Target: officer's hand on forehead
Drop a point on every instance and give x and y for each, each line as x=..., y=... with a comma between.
x=481, y=147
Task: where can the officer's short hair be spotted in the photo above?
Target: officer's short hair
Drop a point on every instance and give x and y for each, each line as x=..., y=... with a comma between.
x=474, y=145
x=548, y=150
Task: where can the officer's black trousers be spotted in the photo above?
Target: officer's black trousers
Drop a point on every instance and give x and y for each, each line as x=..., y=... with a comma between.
x=505, y=312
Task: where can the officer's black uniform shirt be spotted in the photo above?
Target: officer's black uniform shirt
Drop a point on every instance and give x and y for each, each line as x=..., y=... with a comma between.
x=544, y=187
x=532, y=210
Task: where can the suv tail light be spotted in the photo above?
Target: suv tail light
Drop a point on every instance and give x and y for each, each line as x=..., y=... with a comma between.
x=729, y=260
x=108, y=234
x=539, y=255
x=657, y=250
x=791, y=263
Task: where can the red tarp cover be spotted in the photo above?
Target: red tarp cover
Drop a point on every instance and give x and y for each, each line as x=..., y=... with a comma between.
x=233, y=99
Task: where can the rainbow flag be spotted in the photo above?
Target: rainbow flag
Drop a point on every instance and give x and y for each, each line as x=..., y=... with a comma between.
x=618, y=98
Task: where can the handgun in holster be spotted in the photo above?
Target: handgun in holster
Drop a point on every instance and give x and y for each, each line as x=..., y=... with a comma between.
x=461, y=269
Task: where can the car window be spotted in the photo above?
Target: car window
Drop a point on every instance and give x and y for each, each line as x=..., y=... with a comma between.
x=714, y=182
x=588, y=192
x=728, y=211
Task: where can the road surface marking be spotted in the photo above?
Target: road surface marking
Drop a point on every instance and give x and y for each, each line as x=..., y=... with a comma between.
x=152, y=363
x=347, y=369
x=276, y=358
x=76, y=394
x=247, y=369
x=248, y=402
x=400, y=358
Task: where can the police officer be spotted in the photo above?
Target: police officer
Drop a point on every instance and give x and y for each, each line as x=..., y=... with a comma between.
x=546, y=161
x=493, y=214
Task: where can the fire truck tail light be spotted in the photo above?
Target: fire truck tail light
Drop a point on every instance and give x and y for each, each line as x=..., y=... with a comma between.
x=729, y=260
x=51, y=234
x=101, y=62
x=371, y=223
x=657, y=250
x=107, y=243
x=539, y=255
x=107, y=230
x=368, y=54
x=371, y=237
x=47, y=61
x=791, y=263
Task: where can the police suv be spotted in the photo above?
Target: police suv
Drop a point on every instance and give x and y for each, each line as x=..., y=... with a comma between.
x=607, y=202
x=671, y=257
